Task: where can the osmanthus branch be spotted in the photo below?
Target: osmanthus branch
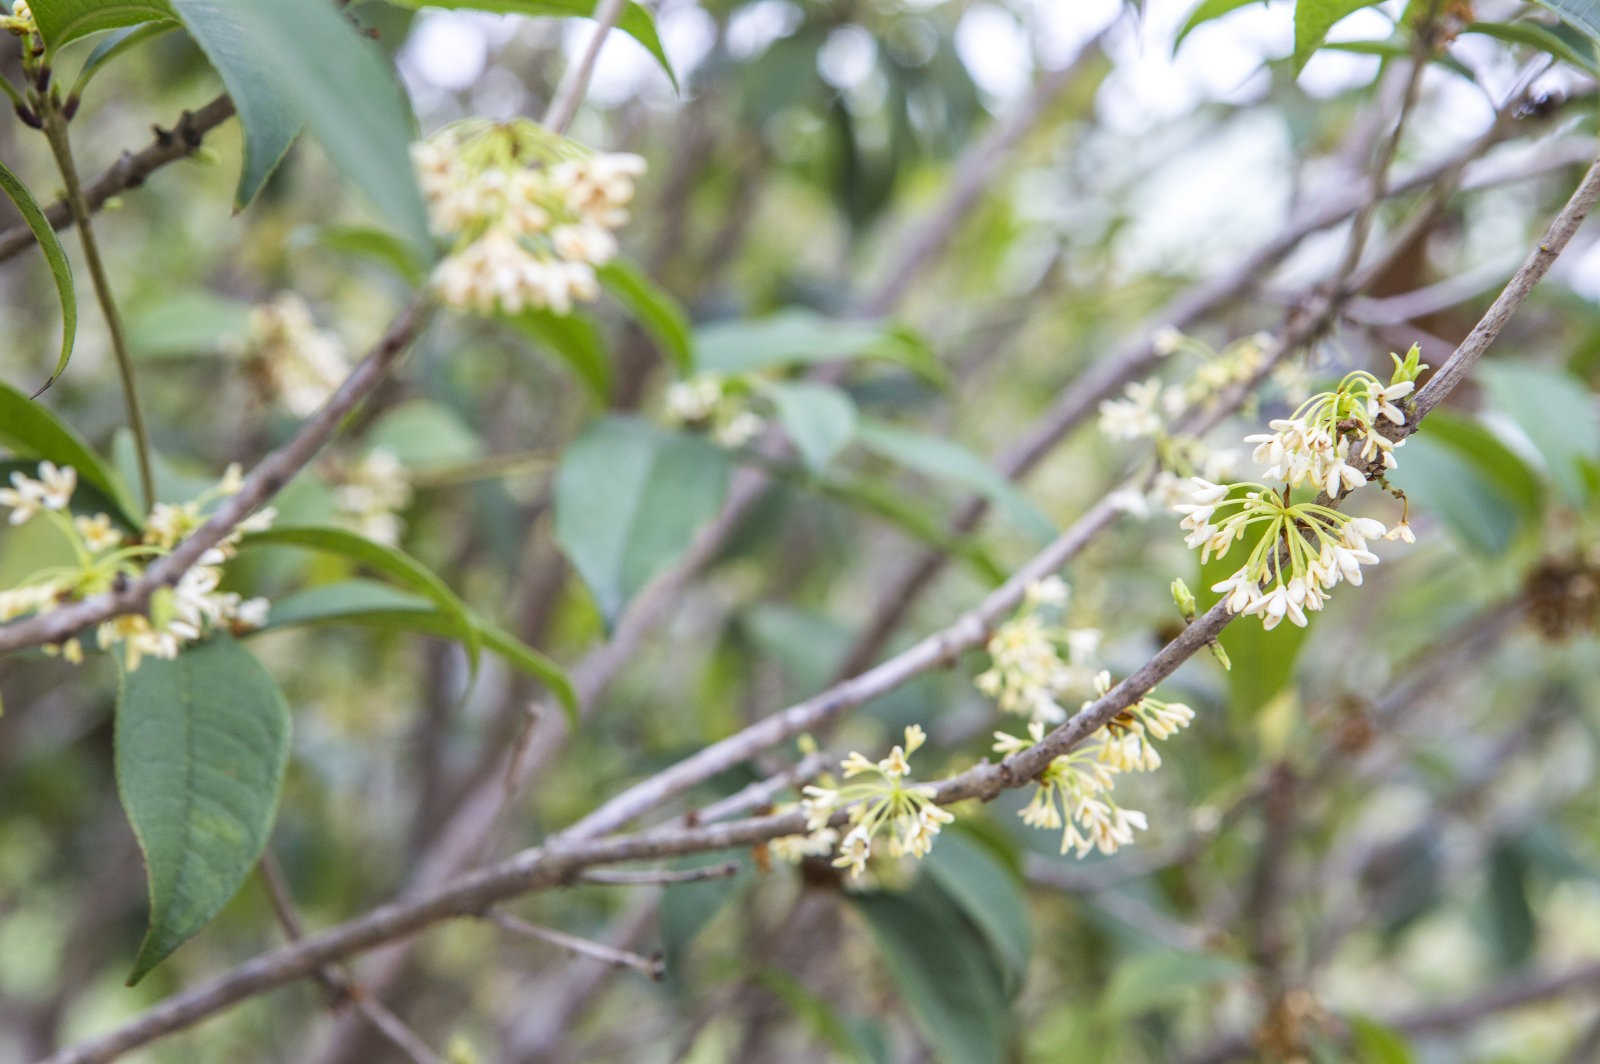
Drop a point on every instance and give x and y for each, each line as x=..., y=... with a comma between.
x=564, y=105
x=130, y=170
x=260, y=485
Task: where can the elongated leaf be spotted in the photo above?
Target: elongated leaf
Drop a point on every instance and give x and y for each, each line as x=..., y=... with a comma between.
x=29, y=428
x=60, y=270
x=1375, y=1043
x=1560, y=41
x=657, y=312
x=1398, y=48
x=1151, y=980
x=375, y=605
x=1558, y=414
x=294, y=62
x=910, y=516
x=819, y=419
x=1207, y=11
x=185, y=324
x=988, y=892
x=201, y=745
x=61, y=21
x=424, y=434
x=115, y=44
x=1312, y=21
x=1439, y=479
x=798, y=337
x=393, y=563
x=628, y=501
x=1584, y=14
x=941, y=459
x=574, y=340
x=375, y=245
x=636, y=21
x=943, y=970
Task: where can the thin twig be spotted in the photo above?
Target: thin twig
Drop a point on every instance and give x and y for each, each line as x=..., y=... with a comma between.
x=652, y=967
x=625, y=877
x=564, y=106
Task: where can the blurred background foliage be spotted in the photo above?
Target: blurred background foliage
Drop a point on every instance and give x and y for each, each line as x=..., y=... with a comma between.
x=1441, y=836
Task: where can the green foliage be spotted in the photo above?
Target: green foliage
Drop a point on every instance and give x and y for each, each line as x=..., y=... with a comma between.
x=1584, y=14
x=1263, y=661
x=573, y=339
x=60, y=270
x=424, y=434
x=374, y=245
x=990, y=894
x=300, y=62
x=1207, y=11
x=63, y=21
x=1556, y=412
x=1160, y=978
x=201, y=745
x=112, y=46
x=1558, y=40
x=629, y=498
x=942, y=460
x=635, y=20
x=656, y=311
x=819, y=419
x=1376, y=1044
x=1312, y=21
x=1473, y=482
x=803, y=337
x=28, y=428
x=686, y=909
x=185, y=324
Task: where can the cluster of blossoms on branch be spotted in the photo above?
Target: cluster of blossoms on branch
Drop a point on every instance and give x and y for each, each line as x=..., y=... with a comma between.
x=1028, y=674
x=714, y=403
x=296, y=363
x=1299, y=551
x=370, y=493
x=883, y=804
x=105, y=555
x=530, y=213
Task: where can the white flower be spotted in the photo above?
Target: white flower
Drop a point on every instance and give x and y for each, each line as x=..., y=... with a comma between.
x=25, y=497
x=1049, y=591
x=57, y=485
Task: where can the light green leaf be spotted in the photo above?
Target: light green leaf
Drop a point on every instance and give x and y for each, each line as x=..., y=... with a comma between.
x=375, y=245
x=636, y=20
x=818, y=418
x=61, y=21
x=1207, y=11
x=113, y=45
x=1558, y=414
x=656, y=311
x=1437, y=478
x=1152, y=980
x=574, y=340
x=389, y=561
x=1398, y=48
x=943, y=969
x=1560, y=41
x=943, y=460
x=1584, y=14
x=1375, y=1043
x=800, y=337
x=175, y=481
x=424, y=434
x=183, y=324
x=1312, y=21
x=294, y=62
x=910, y=516
x=60, y=270
x=28, y=428
x=629, y=499
x=201, y=745
x=988, y=892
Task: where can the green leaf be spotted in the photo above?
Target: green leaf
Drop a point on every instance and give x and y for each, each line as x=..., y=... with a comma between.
x=1556, y=412
x=376, y=245
x=1376, y=1044
x=819, y=419
x=113, y=45
x=629, y=499
x=1151, y=980
x=686, y=908
x=943, y=460
x=424, y=434
x=61, y=21
x=201, y=745
x=375, y=605
x=60, y=270
x=187, y=323
x=389, y=561
x=29, y=428
x=1312, y=21
x=1206, y=11
x=989, y=893
x=636, y=20
x=574, y=340
x=294, y=62
x=657, y=312
x=907, y=514
x=1515, y=480
x=801, y=337
x=175, y=482
x=1513, y=926
x=943, y=969
x=1398, y=48
x=1584, y=14
x=1560, y=41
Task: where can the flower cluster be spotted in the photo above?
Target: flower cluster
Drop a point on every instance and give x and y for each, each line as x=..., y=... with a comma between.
x=106, y=555
x=1302, y=550
x=370, y=493
x=530, y=212
x=297, y=363
x=20, y=22
x=714, y=403
x=1028, y=674
x=1146, y=407
x=881, y=803
x=1074, y=794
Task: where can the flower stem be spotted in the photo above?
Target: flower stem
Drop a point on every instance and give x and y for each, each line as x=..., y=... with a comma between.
x=55, y=130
